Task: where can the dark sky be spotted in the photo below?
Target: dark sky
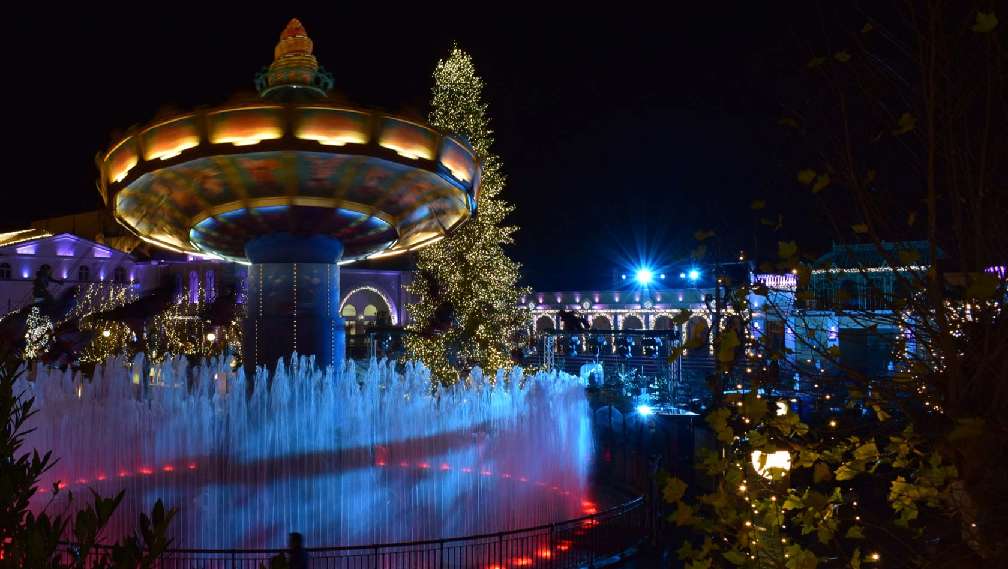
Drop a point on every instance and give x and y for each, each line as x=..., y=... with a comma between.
x=621, y=134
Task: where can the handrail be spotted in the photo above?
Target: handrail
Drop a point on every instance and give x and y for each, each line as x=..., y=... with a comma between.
x=605, y=514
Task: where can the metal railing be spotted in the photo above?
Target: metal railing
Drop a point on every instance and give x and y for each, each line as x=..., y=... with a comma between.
x=589, y=541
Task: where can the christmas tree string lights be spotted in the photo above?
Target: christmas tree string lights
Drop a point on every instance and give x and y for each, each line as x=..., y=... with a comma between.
x=467, y=313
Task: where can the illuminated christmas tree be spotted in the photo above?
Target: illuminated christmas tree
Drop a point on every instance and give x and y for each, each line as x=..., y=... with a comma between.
x=468, y=312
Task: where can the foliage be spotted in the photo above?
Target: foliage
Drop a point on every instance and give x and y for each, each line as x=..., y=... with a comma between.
x=30, y=539
x=467, y=313
x=910, y=469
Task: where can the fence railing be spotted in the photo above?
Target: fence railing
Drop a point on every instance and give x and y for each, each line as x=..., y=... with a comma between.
x=588, y=541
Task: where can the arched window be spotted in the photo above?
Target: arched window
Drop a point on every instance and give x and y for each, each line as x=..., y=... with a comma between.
x=370, y=311
x=5, y=272
x=193, y=287
x=84, y=274
x=544, y=323
x=210, y=284
x=119, y=275
x=663, y=323
x=601, y=323
x=349, y=311
x=632, y=322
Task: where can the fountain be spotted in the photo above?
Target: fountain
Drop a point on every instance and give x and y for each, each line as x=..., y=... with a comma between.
x=350, y=457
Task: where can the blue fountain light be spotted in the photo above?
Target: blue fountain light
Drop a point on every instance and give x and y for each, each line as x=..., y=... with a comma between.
x=693, y=274
x=645, y=410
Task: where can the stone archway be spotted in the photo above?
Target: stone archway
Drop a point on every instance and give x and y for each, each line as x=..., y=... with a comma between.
x=544, y=323
x=698, y=333
x=601, y=322
x=366, y=306
x=663, y=322
x=632, y=322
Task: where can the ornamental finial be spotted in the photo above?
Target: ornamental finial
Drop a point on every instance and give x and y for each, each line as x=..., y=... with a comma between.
x=294, y=72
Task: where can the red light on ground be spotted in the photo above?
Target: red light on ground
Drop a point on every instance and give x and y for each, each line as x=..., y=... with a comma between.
x=486, y=473
x=544, y=553
x=589, y=523
x=145, y=471
x=380, y=463
x=587, y=504
x=540, y=483
x=444, y=466
x=494, y=566
x=523, y=479
x=101, y=477
x=123, y=474
x=192, y=466
x=168, y=468
x=591, y=510
x=554, y=488
x=82, y=481
x=61, y=485
x=505, y=475
x=424, y=465
x=404, y=464
x=521, y=561
x=563, y=545
x=466, y=469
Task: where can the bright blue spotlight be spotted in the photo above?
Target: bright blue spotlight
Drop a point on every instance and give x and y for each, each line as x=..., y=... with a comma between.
x=645, y=410
x=694, y=274
x=644, y=276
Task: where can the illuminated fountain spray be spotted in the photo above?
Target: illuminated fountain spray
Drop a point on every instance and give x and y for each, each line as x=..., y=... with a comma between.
x=362, y=456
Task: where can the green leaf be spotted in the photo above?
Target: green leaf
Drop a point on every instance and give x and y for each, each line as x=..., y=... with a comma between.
x=860, y=228
x=880, y=413
x=967, y=428
x=842, y=56
x=700, y=564
x=905, y=124
x=683, y=515
x=867, y=451
x=792, y=502
x=734, y=557
x=821, y=182
x=982, y=287
x=854, y=532
x=908, y=257
x=985, y=22
x=729, y=341
x=845, y=473
x=855, y=562
x=674, y=490
x=815, y=62
x=758, y=204
x=806, y=176
x=821, y=473
x=867, y=28
x=786, y=249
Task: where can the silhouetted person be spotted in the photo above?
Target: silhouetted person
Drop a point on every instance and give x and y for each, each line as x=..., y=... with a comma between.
x=297, y=557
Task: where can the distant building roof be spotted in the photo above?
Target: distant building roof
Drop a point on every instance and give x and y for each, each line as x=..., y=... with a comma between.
x=870, y=255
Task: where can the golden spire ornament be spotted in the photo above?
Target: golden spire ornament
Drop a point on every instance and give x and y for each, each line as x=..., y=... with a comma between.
x=295, y=72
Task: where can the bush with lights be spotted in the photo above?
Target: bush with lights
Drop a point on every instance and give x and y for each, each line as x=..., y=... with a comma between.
x=910, y=469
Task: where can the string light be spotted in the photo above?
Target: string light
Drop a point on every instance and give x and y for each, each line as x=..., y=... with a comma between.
x=468, y=272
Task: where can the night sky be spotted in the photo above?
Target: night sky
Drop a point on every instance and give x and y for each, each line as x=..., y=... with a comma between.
x=621, y=134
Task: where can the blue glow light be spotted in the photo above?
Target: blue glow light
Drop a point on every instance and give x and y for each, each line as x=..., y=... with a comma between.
x=645, y=410
x=644, y=276
x=694, y=274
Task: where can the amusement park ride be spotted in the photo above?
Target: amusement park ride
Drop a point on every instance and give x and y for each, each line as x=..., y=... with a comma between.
x=295, y=186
